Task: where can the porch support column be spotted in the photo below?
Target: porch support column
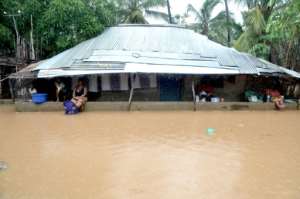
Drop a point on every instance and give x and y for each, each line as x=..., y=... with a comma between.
x=131, y=91
x=1, y=82
x=194, y=94
x=11, y=89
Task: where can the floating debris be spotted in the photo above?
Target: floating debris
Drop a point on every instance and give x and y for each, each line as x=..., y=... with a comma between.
x=210, y=131
x=241, y=125
x=3, y=165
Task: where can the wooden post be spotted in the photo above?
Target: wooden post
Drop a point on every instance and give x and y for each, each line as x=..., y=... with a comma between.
x=194, y=94
x=11, y=89
x=0, y=82
x=131, y=92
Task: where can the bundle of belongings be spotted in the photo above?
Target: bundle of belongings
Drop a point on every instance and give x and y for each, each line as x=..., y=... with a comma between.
x=253, y=96
x=70, y=108
x=206, y=94
x=267, y=95
x=272, y=95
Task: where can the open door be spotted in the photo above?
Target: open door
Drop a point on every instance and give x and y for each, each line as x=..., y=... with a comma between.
x=170, y=88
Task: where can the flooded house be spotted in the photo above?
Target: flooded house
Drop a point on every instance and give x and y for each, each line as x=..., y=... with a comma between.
x=149, y=63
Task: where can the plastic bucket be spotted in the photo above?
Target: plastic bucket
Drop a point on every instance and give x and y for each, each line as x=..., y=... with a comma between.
x=39, y=98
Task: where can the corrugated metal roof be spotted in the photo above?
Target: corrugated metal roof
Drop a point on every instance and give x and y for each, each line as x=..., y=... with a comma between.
x=144, y=44
x=26, y=72
x=153, y=45
x=141, y=68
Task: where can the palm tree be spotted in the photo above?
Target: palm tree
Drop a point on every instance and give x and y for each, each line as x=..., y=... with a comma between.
x=228, y=23
x=255, y=21
x=220, y=26
x=169, y=12
x=203, y=16
x=132, y=11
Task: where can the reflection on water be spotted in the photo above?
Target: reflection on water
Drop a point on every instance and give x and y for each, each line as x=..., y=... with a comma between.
x=150, y=155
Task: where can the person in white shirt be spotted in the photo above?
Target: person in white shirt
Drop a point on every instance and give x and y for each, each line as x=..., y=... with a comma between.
x=60, y=86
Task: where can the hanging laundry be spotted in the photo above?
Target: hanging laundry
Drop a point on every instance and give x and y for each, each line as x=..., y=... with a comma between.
x=74, y=82
x=93, y=83
x=114, y=82
x=145, y=81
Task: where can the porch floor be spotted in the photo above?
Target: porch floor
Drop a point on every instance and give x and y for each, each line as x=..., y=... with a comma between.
x=151, y=106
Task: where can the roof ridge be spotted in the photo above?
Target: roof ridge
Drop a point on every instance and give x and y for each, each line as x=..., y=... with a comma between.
x=150, y=25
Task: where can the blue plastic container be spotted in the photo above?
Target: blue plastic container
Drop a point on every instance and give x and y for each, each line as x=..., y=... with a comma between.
x=39, y=98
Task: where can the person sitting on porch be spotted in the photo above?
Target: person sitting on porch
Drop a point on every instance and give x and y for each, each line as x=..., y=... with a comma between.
x=80, y=95
x=296, y=93
x=206, y=92
x=279, y=103
x=32, y=90
x=273, y=93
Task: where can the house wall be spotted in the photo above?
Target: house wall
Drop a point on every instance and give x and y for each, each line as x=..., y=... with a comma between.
x=186, y=92
x=232, y=91
x=139, y=95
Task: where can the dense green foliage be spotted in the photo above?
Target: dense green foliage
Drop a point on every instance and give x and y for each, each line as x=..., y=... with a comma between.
x=283, y=31
x=272, y=31
x=57, y=24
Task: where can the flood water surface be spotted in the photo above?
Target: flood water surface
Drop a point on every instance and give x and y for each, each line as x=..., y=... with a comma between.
x=168, y=155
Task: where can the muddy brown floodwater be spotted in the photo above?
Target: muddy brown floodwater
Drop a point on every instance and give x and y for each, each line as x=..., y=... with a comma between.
x=149, y=155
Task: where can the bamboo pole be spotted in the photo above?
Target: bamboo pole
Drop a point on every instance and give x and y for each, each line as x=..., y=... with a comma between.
x=131, y=93
x=194, y=94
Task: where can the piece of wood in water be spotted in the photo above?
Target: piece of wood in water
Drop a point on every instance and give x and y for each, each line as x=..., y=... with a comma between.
x=3, y=165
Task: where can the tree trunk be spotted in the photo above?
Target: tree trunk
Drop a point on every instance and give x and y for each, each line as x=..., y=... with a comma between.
x=228, y=24
x=169, y=12
x=290, y=45
x=32, y=51
x=18, y=40
x=205, y=29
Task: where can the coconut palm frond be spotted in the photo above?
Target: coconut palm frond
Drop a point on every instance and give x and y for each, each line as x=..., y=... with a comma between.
x=203, y=16
x=222, y=16
x=152, y=3
x=136, y=17
x=208, y=7
x=249, y=3
x=219, y=26
x=131, y=11
x=244, y=42
x=194, y=11
x=157, y=14
x=256, y=21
